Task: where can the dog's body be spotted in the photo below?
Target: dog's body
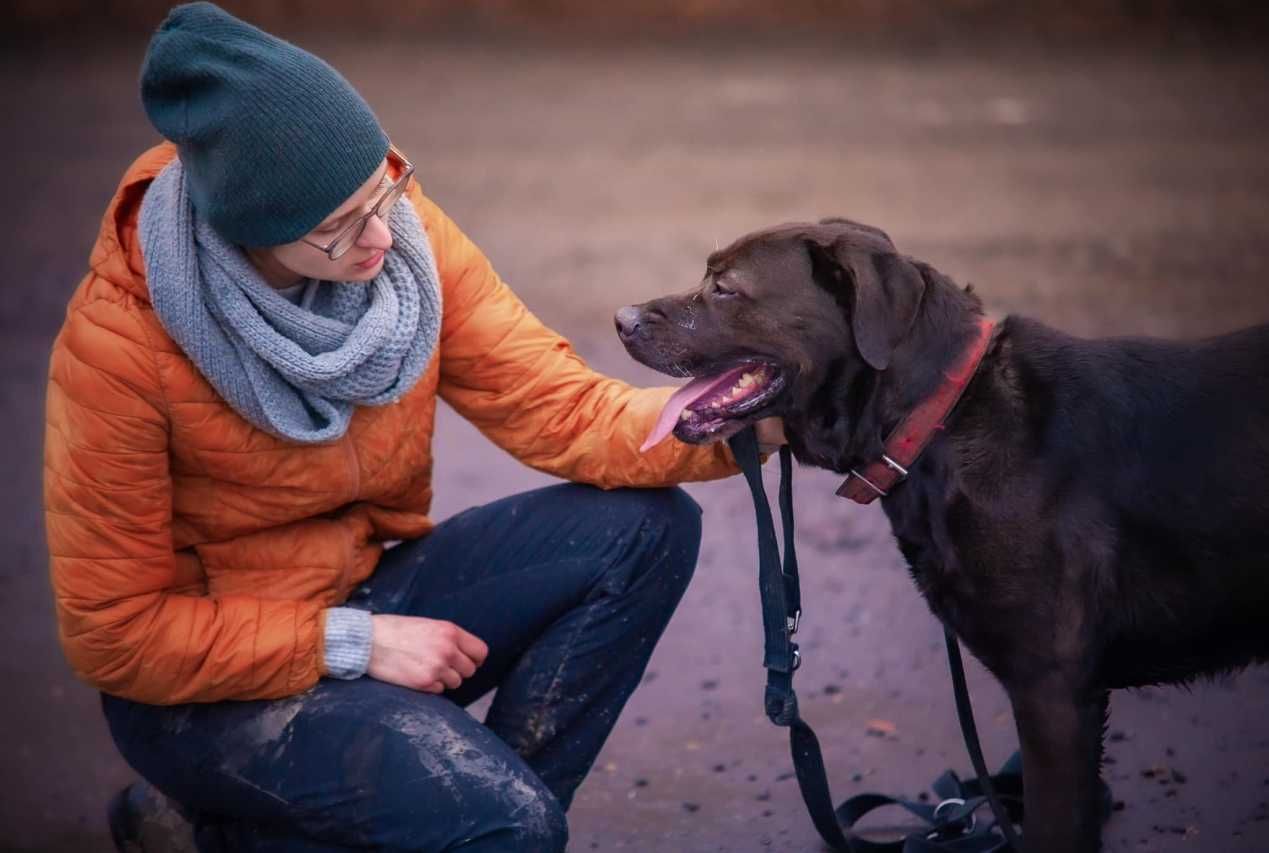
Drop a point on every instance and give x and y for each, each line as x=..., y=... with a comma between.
x=1095, y=514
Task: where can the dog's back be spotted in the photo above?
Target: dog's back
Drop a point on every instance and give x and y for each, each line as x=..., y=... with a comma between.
x=1170, y=441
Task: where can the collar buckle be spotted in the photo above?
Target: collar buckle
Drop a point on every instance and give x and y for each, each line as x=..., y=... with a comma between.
x=894, y=466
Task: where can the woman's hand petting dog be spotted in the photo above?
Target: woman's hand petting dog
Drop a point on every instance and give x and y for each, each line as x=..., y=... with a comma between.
x=430, y=655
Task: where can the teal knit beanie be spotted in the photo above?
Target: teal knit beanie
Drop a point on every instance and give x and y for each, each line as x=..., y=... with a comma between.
x=271, y=137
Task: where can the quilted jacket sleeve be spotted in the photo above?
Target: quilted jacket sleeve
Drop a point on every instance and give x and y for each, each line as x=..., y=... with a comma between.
x=131, y=617
x=526, y=389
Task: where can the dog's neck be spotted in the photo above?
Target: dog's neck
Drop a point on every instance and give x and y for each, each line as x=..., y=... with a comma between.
x=917, y=428
x=862, y=406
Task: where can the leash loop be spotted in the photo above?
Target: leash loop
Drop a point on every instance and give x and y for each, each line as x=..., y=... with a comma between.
x=953, y=824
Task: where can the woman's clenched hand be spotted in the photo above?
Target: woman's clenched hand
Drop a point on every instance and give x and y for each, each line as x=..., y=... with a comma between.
x=430, y=655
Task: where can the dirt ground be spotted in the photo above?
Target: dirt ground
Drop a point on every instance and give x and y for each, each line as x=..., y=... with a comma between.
x=1106, y=192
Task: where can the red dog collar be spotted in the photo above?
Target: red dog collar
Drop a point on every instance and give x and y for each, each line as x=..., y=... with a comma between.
x=914, y=432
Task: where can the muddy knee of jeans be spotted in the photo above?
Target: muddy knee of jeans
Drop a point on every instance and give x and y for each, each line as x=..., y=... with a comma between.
x=550, y=834
x=534, y=821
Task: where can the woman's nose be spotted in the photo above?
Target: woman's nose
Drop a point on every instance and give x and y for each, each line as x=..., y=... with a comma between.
x=376, y=235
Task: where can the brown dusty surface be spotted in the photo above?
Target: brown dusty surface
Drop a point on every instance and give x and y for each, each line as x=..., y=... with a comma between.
x=1104, y=193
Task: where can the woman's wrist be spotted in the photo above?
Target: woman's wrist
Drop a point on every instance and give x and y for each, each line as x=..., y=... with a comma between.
x=348, y=639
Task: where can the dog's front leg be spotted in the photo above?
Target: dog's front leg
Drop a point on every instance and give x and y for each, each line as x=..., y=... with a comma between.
x=1060, y=730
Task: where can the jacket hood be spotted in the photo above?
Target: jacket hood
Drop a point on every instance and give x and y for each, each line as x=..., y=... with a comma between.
x=116, y=256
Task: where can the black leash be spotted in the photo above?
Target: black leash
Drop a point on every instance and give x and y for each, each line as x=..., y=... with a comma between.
x=953, y=825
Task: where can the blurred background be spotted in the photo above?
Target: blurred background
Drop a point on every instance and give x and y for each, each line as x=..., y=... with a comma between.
x=1101, y=166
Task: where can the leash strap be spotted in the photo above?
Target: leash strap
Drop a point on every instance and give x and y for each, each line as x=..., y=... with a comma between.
x=965, y=713
x=953, y=823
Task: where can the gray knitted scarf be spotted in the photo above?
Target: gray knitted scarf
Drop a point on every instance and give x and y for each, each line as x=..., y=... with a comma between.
x=293, y=370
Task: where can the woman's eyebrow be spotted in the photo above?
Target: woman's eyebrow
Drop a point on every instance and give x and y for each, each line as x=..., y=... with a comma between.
x=331, y=223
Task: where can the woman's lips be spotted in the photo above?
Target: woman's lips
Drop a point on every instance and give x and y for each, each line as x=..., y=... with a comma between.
x=370, y=262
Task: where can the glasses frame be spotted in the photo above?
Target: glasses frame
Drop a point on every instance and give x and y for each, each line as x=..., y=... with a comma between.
x=359, y=225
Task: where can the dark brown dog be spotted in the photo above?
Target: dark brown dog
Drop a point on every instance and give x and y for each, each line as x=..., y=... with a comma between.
x=1094, y=516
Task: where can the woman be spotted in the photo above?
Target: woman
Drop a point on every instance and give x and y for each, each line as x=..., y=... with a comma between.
x=240, y=410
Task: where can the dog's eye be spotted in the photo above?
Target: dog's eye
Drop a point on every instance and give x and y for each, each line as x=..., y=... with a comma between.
x=721, y=290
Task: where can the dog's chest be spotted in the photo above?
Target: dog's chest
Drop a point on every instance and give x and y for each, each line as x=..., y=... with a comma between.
x=958, y=571
x=922, y=533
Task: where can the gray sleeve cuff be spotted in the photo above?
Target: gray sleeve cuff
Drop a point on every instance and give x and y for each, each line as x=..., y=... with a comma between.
x=347, y=642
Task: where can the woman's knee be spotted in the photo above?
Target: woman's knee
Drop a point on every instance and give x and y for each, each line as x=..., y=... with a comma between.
x=456, y=786
x=665, y=527
x=668, y=513
x=502, y=811
x=534, y=820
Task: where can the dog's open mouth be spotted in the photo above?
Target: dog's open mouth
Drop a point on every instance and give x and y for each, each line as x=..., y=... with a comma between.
x=719, y=405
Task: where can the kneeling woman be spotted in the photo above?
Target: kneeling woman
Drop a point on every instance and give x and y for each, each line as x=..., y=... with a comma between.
x=240, y=413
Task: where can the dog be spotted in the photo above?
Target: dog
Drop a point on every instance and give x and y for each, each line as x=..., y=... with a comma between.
x=1091, y=515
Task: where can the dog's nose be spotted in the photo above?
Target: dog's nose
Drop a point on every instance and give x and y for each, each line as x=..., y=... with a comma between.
x=628, y=321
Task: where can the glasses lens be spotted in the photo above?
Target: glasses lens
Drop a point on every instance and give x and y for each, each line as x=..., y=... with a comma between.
x=345, y=241
x=389, y=200
x=383, y=209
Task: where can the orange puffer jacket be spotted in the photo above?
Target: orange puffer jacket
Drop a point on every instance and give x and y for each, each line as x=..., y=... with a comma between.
x=193, y=555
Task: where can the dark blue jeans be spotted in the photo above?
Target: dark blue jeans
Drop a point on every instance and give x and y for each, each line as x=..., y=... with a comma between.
x=569, y=586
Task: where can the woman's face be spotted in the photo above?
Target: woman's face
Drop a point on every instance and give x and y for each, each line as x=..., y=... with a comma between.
x=289, y=264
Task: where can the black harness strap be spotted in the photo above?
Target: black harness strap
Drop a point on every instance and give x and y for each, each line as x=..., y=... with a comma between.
x=953, y=823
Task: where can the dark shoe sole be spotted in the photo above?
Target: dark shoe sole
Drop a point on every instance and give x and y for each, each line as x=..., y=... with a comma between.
x=123, y=828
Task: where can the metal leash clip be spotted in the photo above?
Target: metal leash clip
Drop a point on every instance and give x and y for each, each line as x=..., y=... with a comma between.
x=953, y=828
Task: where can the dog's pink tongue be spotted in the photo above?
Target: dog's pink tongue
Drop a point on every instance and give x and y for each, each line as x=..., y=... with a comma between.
x=681, y=399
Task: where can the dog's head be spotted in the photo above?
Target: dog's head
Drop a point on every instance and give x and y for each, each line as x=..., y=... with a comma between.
x=780, y=315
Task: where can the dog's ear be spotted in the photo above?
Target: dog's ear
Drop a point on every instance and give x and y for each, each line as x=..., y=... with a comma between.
x=870, y=230
x=881, y=289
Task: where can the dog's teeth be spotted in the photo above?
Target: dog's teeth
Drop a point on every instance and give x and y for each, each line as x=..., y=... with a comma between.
x=746, y=380
x=684, y=415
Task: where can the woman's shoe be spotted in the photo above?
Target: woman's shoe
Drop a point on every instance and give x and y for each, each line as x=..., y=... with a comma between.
x=143, y=820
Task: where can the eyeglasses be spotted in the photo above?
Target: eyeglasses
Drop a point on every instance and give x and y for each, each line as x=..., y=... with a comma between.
x=348, y=238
